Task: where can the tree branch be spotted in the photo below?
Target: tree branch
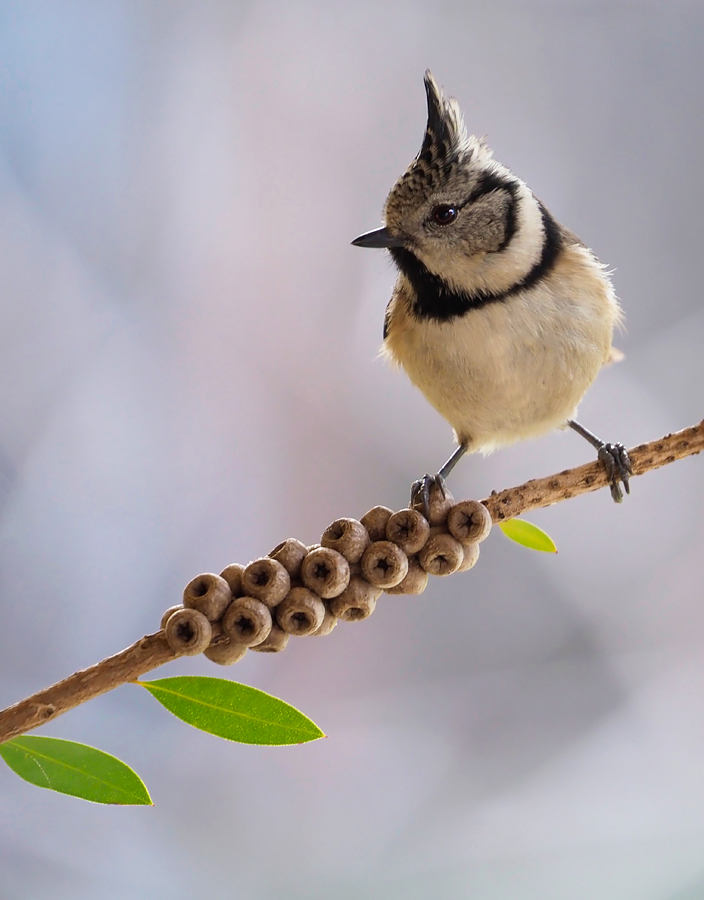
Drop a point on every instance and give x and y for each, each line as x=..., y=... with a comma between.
x=152, y=651
x=545, y=491
x=146, y=654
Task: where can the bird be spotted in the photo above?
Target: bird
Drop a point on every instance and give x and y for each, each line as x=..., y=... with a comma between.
x=500, y=315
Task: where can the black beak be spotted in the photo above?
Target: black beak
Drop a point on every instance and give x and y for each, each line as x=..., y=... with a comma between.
x=381, y=238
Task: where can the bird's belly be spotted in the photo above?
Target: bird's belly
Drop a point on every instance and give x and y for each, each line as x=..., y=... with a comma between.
x=497, y=379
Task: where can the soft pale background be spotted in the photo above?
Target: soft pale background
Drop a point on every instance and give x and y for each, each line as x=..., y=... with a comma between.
x=188, y=375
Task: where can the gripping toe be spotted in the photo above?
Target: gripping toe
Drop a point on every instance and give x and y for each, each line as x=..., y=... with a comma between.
x=618, y=468
x=420, y=491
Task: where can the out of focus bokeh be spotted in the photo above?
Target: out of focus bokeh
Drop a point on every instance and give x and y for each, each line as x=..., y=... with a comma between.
x=189, y=375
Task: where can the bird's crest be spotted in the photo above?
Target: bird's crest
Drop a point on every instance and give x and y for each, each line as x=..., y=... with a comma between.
x=445, y=134
x=449, y=157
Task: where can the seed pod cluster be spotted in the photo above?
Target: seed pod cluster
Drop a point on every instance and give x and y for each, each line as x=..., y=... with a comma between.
x=299, y=590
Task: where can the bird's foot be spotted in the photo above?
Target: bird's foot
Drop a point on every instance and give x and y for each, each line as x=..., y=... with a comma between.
x=420, y=491
x=618, y=468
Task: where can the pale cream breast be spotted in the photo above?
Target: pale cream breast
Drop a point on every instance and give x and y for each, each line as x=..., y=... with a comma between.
x=516, y=368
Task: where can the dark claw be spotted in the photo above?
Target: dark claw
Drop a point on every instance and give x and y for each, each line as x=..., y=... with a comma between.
x=618, y=468
x=421, y=490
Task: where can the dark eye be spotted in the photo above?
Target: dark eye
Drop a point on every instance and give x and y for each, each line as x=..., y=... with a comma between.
x=444, y=214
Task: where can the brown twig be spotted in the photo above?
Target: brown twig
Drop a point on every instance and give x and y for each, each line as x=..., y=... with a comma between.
x=545, y=491
x=146, y=654
x=153, y=651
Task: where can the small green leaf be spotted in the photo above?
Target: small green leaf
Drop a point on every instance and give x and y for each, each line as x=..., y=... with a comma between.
x=232, y=711
x=76, y=769
x=528, y=534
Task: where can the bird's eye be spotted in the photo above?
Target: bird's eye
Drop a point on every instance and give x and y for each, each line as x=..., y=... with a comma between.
x=444, y=214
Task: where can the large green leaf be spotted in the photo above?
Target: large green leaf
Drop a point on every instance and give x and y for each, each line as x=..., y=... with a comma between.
x=528, y=534
x=75, y=769
x=233, y=711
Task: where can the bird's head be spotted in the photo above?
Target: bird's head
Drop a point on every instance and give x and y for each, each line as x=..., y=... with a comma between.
x=453, y=202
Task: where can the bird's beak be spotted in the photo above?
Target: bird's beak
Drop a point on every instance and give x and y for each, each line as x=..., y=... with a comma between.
x=381, y=238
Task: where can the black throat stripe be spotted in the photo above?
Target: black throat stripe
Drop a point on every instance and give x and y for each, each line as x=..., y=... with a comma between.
x=435, y=299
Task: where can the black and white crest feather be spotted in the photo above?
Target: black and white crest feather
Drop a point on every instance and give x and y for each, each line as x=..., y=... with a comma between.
x=445, y=133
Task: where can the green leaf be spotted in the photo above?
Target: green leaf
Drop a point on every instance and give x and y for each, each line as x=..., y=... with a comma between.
x=76, y=769
x=528, y=534
x=232, y=711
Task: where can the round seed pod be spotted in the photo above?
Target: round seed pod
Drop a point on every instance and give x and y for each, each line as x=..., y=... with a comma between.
x=375, y=522
x=247, y=621
x=442, y=555
x=267, y=580
x=469, y=521
x=439, y=505
x=209, y=594
x=409, y=529
x=167, y=613
x=348, y=536
x=290, y=554
x=326, y=572
x=233, y=576
x=357, y=601
x=384, y=564
x=275, y=643
x=471, y=555
x=225, y=653
x=415, y=581
x=301, y=612
x=188, y=632
x=328, y=623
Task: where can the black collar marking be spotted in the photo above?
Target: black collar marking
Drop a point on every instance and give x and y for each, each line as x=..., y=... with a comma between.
x=434, y=299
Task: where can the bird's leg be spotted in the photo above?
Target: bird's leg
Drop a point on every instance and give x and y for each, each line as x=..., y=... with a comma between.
x=615, y=458
x=421, y=489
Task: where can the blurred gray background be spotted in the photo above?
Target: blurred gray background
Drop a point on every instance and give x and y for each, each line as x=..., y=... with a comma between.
x=189, y=374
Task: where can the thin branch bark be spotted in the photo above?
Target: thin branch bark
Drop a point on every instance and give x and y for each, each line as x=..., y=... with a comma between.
x=153, y=651
x=146, y=654
x=545, y=491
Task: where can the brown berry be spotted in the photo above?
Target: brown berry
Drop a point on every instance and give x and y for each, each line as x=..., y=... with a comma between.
x=471, y=555
x=225, y=653
x=415, y=581
x=290, y=554
x=301, y=612
x=442, y=555
x=188, y=632
x=209, y=594
x=328, y=623
x=348, y=536
x=375, y=522
x=326, y=572
x=469, y=521
x=275, y=643
x=233, y=576
x=247, y=621
x=439, y=504
x=267, y=580
x=167, y=614
x=357, y=601
x=384, y=564
x=409, y=529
